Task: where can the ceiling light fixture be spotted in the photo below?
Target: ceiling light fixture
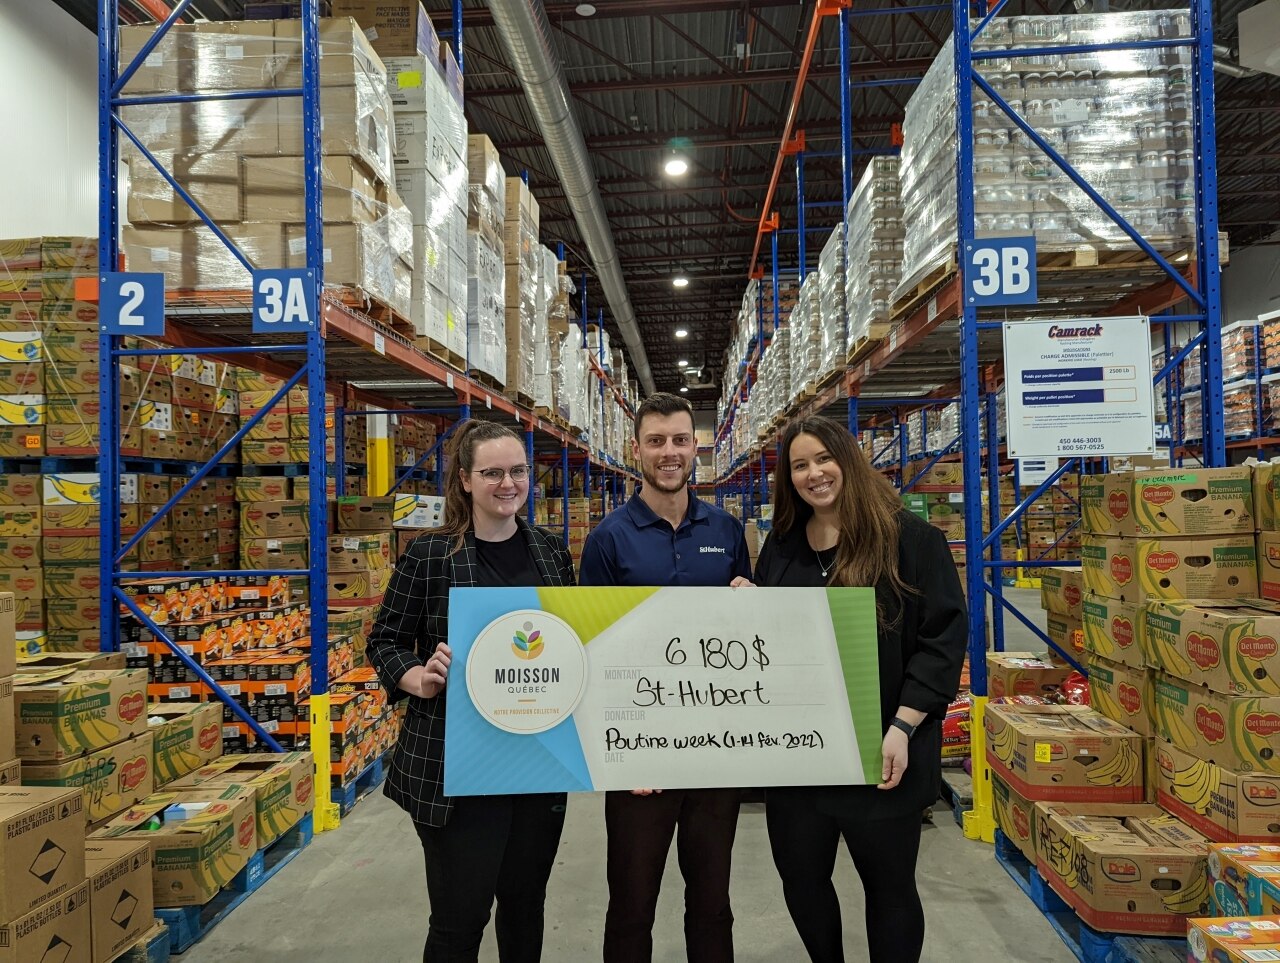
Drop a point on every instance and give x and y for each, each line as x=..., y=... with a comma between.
x=682, y=332
x=585, y=9
x=682, y=363
x=684, y=389
x=676, y=166
x=679, y=281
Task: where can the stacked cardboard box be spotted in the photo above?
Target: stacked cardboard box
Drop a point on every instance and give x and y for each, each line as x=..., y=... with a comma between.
x=521, y=258
x=1062, y=597
x=873, y=223
x=486, y=274
x=282, y=788
x=365, y=724
x=578, y=514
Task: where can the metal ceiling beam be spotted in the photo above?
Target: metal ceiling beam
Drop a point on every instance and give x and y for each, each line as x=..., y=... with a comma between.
x=614, y=9
x=814, y=132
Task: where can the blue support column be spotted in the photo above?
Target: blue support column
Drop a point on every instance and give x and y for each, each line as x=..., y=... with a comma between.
x=851, y=414
x=340, y=450
x=902, y=449
x=748, y=494
x=846, y=110
x=109, y=380
x=993, y=511
x=764, y=480
x=528, y=454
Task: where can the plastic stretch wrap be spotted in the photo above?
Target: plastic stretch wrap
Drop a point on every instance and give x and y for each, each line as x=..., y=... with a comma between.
x=486, y=306
x=806, y=336
x=1121, y=118
x=1239, y=350
x=571, y=380
x=486, y=199
x=548, y=288
x=1239, y=411
x=772, y=390
x=874, y=223
x=831, y=306
x=521, y=252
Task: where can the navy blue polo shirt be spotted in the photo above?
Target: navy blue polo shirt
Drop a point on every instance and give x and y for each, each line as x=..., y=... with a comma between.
x=633, y=546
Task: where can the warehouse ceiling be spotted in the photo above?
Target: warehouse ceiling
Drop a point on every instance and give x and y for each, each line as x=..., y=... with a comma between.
x=712, y=79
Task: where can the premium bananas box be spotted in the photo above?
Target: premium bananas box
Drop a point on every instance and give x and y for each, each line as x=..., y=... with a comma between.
x=121, y=908
x=359, y=553
x=1269, y=565
x=1230, y=647
x=358, y=588
x=1241, y=733
x=1205, y=567
x=58, y=930
x=19, y=521
x=1106, y=504
x=357, y=514
x=1068, y=753
x=1193, y=501
x=1113, y=630
x=110, y=778
x=187, y=735
x=1233, y=940
x=1236, y=871
x=1065, y=632
x=283, y=787
x=43, y=853
x=1023, y=673
x=1122, y=693
x=65, y=713
x=1015, y=816
x=1106, y=875
x=1222, y=805
x=284, y=519
x=1266, y=497
x=200, y=839
x=274, y=553
x=1061, y=591
x=264, y=488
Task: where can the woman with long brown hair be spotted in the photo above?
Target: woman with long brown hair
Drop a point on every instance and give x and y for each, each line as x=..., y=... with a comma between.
x=477, y=848
x=837, y=521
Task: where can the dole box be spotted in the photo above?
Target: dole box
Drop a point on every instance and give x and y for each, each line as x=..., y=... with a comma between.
x=1222, y=805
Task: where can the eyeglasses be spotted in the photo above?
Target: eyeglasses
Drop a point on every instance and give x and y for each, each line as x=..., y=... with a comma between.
x=494, y=476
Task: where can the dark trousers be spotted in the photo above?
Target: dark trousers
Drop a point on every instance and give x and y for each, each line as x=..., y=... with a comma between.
x=805, y=841
x=492, y=846
x=640, y=830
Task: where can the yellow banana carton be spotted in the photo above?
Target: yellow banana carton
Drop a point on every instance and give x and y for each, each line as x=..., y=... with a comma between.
x=360, y=514
x=73, y=488
x=1023, y=673
x=24, y=442
x=283, y=787
x=73, y=580
x=200, y=839
x=120, y=903
x=1113, y=630
x=1015, y=817
x=283, y=519
x=359, y=588
x=21, y=346
x=1121, y=693
x=1106, y=504
x=22, y=410
x=1223, y=805
x=1146, y=882
x=1203, y=567
x=19, y=521
x=1269, y=565
x=1233, y=939
x=43, y=855
x=1065, y=632
x=1241, y=733
x=21, y=378
x=1229, y=646
x=1061, y=591
x=264, y=488
x=1068, y=753
x=188, y=735
x=110, y=778
x=20, y=490
x=1236, y=871
x=1193, y=501
x=365, y=552
x=1266, y=497
x=61, y=713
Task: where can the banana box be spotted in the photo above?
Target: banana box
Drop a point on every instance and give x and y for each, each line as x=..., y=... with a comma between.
x=1065, y=632
x=358, y=588
x=23, y=410
x=1061, y=591
x=72, y=409
x=1205, y=567
x=360, y=514
x=200, y=839
x=121, y=907
x=263, y=488
x=20, y=490
x=21, y=442
x=21, y=347
x=1269, y=565
x=301, y=488
x=1122, y=694
x=71, y=581
x=193, y=517
x=1266, y=499
x=73, y=488
x=274, y=553
x=73, y=640
x=1146, y=883
x=57, y=930
x=250, y=402
x=20, y=520
x=1241, y=733
x=110, y=778
x=284, y=519
x=19, y=552
x=1106, y=504
x=61, y=713
x=1015, y=817
x=72, y=661
x=23, y=583
x=29, y=614
x=1023, y=673
x=73, y=377
x=359, y=553
x=73, y=613
x=71, y=520
x=1115, y=630
x=1193, y=501
x=1067, y=753
x=86, y=548
x=1233, y=940
x=187, y=735
x=70, y=343
x=1235, y=876
x=137, y=488
x=283, y=787
x=273, y=426
x=83, y=440
x=266, y=452
x=22, y=378
x=1228, y=646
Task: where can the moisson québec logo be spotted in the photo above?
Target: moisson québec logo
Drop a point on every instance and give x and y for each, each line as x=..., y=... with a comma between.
x=506, y=686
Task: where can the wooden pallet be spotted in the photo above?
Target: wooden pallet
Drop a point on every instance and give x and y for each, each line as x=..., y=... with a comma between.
x=486, y=379
x=366, y=782
x=957, y=791
x=441, y=353
x=374, y=308
x=876, y=333
x=924, y=288
x=519, y=397
x=152, y=948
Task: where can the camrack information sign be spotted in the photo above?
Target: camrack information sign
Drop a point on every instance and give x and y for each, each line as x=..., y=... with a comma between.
x=1079, y=387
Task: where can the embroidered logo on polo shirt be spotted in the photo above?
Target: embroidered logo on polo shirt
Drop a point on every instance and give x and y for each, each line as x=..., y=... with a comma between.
x=705, y=549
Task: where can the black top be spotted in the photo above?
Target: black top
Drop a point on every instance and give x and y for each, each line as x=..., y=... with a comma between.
x=509, y=562
x=922, y=642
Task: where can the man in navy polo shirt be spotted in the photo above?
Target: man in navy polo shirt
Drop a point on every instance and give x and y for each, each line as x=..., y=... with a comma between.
x=663, y=536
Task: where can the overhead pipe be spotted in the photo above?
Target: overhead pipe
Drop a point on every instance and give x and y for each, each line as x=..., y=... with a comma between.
x=526, y=33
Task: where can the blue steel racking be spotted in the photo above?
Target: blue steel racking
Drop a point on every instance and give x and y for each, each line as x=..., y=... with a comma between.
x=931, y=322
x=342, y=346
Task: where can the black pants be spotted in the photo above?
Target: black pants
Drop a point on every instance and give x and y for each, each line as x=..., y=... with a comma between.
x=805, y=840
x=492, y=846
x=640, y=830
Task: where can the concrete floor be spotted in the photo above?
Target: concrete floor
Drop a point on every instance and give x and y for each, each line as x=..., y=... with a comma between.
x=359, y=893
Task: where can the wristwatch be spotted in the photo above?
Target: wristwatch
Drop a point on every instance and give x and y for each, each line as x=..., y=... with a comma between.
x=905, y=726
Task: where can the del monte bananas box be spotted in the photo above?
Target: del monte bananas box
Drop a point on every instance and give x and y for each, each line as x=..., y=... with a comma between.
x=1193, y=501
x=284, y=787
x=1137, y=569
x=61, y=713
x=1122, y=693
x=1113, y=630
x=1229, y=646
x=110, y=778
x=1240, y=733
x=187, y=735
x=1106, y=504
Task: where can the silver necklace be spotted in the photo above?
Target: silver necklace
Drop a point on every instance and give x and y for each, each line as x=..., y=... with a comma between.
x=825, y=569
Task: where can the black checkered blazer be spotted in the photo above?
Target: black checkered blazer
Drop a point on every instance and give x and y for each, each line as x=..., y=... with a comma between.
x=413, y=620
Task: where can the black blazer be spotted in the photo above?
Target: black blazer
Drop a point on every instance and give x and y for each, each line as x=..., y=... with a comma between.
x=413, y=620
x=922, y=643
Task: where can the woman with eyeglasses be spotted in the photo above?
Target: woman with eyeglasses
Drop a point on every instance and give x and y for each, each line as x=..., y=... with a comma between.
x=477, y=848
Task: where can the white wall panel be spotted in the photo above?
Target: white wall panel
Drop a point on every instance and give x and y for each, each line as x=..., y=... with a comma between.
x=1251, y=283
x=49, y=99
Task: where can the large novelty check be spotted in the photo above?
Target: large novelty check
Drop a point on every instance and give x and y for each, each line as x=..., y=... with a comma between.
x=581, y=689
